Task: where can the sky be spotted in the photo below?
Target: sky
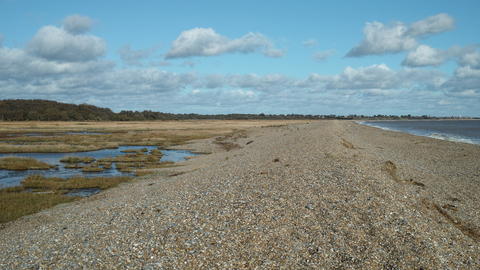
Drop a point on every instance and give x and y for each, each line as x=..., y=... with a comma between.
x=220, y=56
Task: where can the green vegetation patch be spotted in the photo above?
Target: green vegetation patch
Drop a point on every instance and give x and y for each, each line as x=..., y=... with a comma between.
x=40, y=182
x=14, y=205
x=22, y=164
x=74, y=160
x=73, y=166
x=93, y=169
x=16, y=202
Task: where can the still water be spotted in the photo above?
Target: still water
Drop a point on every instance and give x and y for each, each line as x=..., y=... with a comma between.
x=13, y=178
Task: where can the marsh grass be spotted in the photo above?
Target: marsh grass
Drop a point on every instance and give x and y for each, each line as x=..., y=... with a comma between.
x=93, y=169
x=14, y=205
x=155, y=133
x=40, y=182
x=73, y=166
x=73, y=160
x=22, y=164
x=15, y=202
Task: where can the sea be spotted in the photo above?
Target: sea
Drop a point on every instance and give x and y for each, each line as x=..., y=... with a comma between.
x=465, y=131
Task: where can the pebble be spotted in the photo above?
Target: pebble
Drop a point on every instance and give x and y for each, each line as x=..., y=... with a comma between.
x=238, y=209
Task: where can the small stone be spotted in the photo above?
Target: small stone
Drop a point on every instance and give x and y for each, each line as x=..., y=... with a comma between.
x=309, y=207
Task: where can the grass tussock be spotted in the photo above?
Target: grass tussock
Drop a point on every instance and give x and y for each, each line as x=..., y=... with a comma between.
x=74, y=160
x=73, y=166
x=93, y=169
x=41, y=148
x=40, y=182
x=14, y=205
x=22, y=164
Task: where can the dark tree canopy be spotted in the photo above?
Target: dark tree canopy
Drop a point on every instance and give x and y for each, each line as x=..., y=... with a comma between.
x=47, y=110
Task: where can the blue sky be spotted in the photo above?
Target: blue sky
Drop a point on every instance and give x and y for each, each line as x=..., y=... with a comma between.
x=279, y=57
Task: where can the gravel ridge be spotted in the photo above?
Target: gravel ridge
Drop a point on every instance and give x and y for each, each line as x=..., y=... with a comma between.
x=323, y=195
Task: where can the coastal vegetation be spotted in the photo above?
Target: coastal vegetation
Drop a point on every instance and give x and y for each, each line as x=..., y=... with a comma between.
x=73, y=160
x=40, y=192
x=47, y=110
x=15, y=202
x=23, y=164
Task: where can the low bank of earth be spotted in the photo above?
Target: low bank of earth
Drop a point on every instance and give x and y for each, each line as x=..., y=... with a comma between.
x=329, y=194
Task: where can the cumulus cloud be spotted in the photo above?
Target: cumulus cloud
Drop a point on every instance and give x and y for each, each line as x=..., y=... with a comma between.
x=206, y=42
x=465, y=56
x=322, y=56
x=17, y=64
x=134, y=57
x=77, y=24
x=424, y=56
x=310, y=43
x=464, y=83
x=219, y=97
x=432, y=25
x=55, y=44
x=382, y=77
x=397, y=36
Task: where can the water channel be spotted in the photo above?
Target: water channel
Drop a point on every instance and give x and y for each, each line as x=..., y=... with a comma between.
x=12, y=178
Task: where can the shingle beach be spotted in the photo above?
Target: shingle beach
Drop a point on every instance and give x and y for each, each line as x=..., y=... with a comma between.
x=322, y=195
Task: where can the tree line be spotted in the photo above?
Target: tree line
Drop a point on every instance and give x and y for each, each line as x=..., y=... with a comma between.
x=48, y=110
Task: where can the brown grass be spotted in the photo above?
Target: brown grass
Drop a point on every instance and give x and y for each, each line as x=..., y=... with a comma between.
x=73, y=160
x=15, y=202
x=56, y=183
x=14, y=205
x=22, y=164
x=93, y=169
x=73, y=166
x=158, y=133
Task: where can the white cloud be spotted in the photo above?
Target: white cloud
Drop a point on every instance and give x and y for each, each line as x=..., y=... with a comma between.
x=465, y=56
x=464, y=83
x=17, y=64
x=132, y=57
x=398, y=37
x=310, y=43
x=364, y=90
x=205, y=42
x=432, y=25
x=55, y=44
x=322, y=56
x=423, y=56
x=382, y=77
x=77, y=24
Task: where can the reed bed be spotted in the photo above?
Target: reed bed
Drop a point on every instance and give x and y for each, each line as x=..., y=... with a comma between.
x=74, y=160
x=15, y=204
x=40, y=182
x=23, y=164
